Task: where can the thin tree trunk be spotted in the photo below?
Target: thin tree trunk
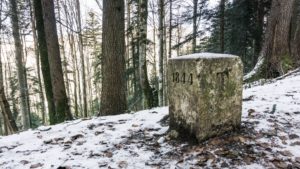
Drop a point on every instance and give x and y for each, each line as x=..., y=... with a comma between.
x=195, y=17
x=20, y=65
x=59, y=91
x=63, y=51
x=113, y=98
x=144, y=82
x=5, y=109
x=222, y=25
x=37, y=54
x=161, y=52
x=80, y=44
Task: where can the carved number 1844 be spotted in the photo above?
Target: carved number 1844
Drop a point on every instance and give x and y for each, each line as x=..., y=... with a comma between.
x=183, y=78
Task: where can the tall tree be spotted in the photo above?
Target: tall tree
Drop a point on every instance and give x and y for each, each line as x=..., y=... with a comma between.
x=62, y=109
x=222, y=25
x=195, y=18
x=276, y=56
x=37, y=54
x=43, y=51
x=161, y=48
x=144, y=81
x=7, y=115
x=20, y=64
x=113, y=96
x=80, y=44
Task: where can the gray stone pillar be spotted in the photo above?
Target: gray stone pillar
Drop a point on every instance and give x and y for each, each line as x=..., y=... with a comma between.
x=205, y=94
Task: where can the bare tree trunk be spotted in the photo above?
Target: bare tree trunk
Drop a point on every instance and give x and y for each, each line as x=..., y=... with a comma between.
x=20, y=65
x=38, y=68
x=59, y=91
x=113, y=98
x=63, y=51
x=80, y=44
x=222, y=25
x=144, y=82
x=195, y=17
x=5, y=109
x=161, y=52
x=42, y=46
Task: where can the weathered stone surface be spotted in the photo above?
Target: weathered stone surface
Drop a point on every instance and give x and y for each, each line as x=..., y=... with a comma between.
x=205, y=94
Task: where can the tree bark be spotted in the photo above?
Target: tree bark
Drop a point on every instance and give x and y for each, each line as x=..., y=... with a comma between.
x=222, y=25
x=43, y=51
x=276, y=57
x=195, y=17
x=5, y=109
x=80, y=44
x=113, y=98
x=37, y=55
x=62, y=108
x=63, y=51
x=144, y=82
x=161, y=51
x=20, y=64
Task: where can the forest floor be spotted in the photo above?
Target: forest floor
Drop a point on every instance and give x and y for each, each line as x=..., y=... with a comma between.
x=269, y=138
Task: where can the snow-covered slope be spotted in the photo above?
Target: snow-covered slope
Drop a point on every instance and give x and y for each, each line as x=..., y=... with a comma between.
x=269, y=137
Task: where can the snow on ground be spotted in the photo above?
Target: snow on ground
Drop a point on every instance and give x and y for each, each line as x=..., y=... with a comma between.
x=268, y=138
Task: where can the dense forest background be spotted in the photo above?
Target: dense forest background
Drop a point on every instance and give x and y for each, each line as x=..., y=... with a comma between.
x=59, y=63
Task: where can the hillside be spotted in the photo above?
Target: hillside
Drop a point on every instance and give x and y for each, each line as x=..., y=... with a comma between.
x=269, y=137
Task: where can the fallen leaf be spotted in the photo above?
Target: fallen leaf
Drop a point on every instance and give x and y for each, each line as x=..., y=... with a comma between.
x=36, y=165
x=123, y=164
x=24, y=162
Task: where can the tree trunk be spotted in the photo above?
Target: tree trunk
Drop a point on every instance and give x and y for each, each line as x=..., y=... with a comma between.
x=113, y=98
x=37, y=54
x=161, y=52
x=222, y=25
x=80, y=44
x=276, y=57
x=57, y=79
x=42, y=46
x=20, y=65
x=259, y=30
x=195, y=17
x=63, y=51
x=144, y=82
x=5, y=109
x=170, y=28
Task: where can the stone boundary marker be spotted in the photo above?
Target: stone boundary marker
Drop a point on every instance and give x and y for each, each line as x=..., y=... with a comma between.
x=205, y=94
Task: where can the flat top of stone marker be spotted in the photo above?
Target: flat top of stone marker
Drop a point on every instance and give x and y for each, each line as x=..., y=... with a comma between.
x=204, y=56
